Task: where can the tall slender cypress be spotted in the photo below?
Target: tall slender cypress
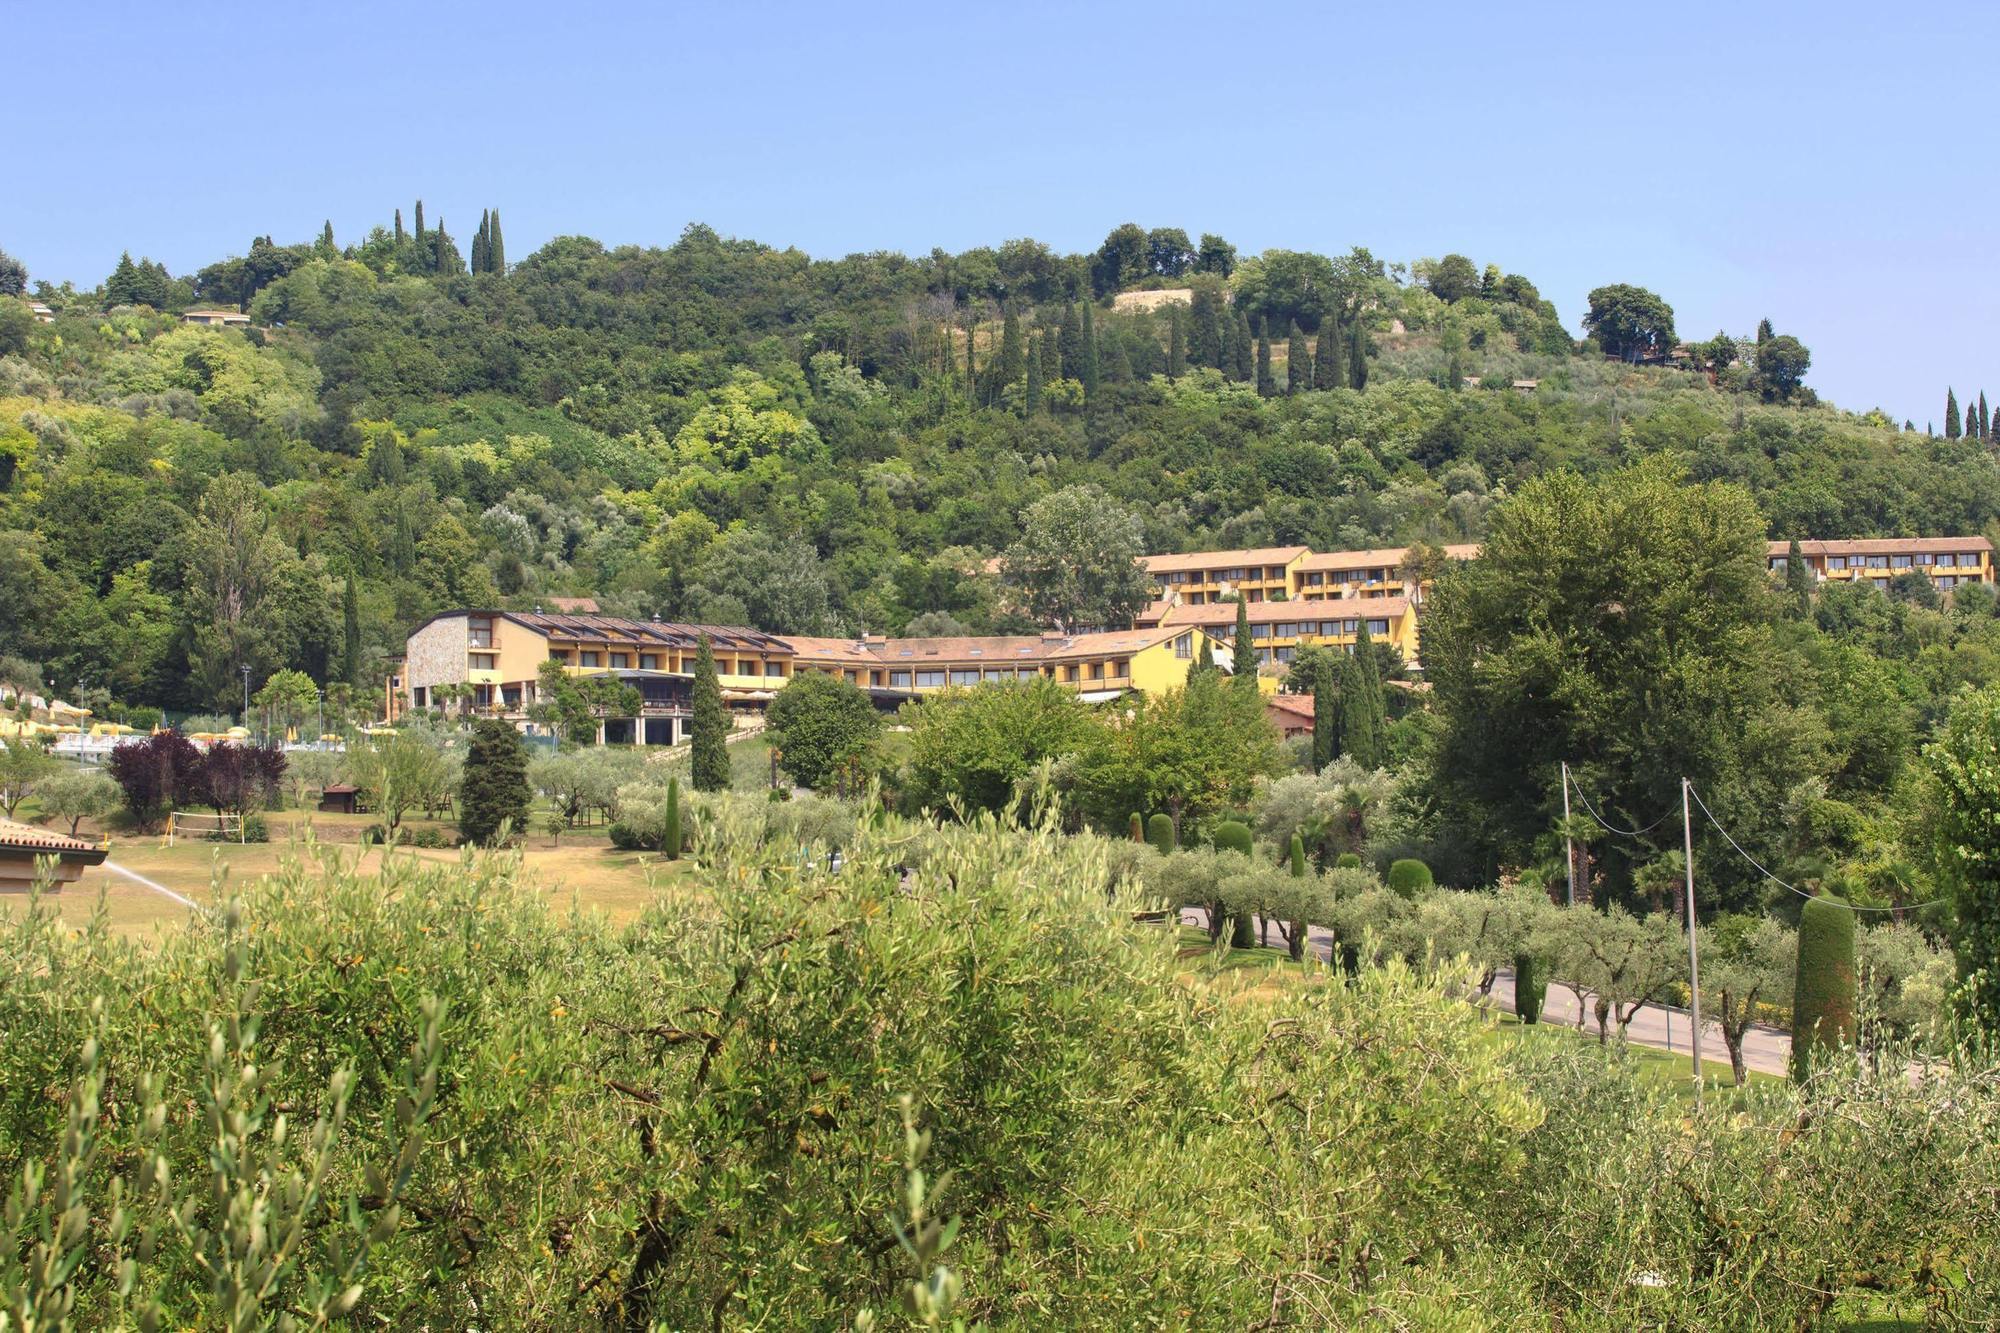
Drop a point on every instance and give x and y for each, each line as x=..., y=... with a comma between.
x=1951, y=431
x=1244, y=346
x=1091, y=371
x=326, y=238
x=401, y=236
x=1329, y=356
x=1012, y=357
x=1298, y=365
x=1225, y=346
x=477, y=261
x=710, y=741
x=1069, y=343
x=1326, y=709
x=1357, y=359
x=496, y=249
x=1798, y=579
x=971, y=360
x=1205, y=341
x=1031, y=401
x=422, y=253
x=1176, y=343
x=1267, y=386
x=1985, y=420
x=1361, y=711
x=1051, y=357
x=1244, y=652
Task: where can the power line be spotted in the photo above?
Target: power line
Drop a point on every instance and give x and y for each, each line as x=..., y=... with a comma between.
x=1612, y=828
x=1905, y=907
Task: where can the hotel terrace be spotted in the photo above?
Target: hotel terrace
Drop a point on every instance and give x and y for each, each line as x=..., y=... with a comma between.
x=1278, y=628
x=1947, y=561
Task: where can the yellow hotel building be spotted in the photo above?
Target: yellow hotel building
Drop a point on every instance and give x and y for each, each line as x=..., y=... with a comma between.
x=1946, y=561
x=1098, y=666
x=1278, y=628
x=1204, y=577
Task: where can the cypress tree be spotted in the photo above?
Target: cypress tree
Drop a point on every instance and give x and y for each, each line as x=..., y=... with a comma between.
x=1329, y=357
x=1530, y=987
x=1798, y=579
x=496, y=249
x=710, y=742
x=1245, y=347
x=1051, y=357
x=1823, y=990
x=1117, y=364
x=1069, y=344
x=350, y=638
x=1267, y=386
x=494, y=790
x=670, y=841
x=1137, y=827
x=1204, y=343
x=477, y=262
x=1091, y=373
x=423, y=254
x=1225, y=347
x=1357, y=357
x=1031, y=401
x=326, y=238
x=1950, y=415
x=971, y=359
x=1204, y=661
x=1244, y=652
x=1763, y=331
x=1985, y=420
x=402, y=543
x=1298, y=365
x=401, y=236
x=1012, y=356
x=1361, y=712
x=1298, y=857
x=444, y=253
x=1326, y=709
x=1176, y=343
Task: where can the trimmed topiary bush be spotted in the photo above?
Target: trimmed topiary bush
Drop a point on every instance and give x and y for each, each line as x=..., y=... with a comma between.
x=1823, y=993
x=1409, y=877
x=1298, y=857
x=1160, y=832
x=1138, y=829
x=1347, y=861
x=671, y=843
x=1531, y=984
x=1231, y=836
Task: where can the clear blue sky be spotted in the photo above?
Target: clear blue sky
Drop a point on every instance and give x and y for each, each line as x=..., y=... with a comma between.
x=1827, y=165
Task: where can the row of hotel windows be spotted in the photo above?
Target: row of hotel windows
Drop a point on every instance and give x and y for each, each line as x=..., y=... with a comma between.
x=654, y=662
x=1968, y=560
x=1325, y=629
x=936, y=679
x=1178, y=576
x=1313, y=578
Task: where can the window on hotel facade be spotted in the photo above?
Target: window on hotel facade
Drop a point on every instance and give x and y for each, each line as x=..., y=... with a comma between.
x=1315, y=580
x=1286, y=630
x=930, y=680
x=417, y=695
x=1378, y=627
x=1097, y=671
x=1945, y=581
x=964, y=677
x=479, y=630
x=1070, y=673
x=1944, y=561
x=1878, y=562
x=1287, y=654
x=999, y=673
x=1899, y=562
x=1779, y=562
x=1836, y=562
x=649, y=661
x=588, y=659
x=899, y=680
x=774, y=668
x=484, y=661
x=1122, y=667
x=620, y=661
x=1184, y=646
x=1260, y=632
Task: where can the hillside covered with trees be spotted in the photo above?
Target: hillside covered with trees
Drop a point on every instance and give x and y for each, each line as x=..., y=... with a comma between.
x=724, y=431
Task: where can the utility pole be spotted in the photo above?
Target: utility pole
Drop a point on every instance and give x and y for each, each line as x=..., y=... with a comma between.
x=1569, y=853
x=1694, y=964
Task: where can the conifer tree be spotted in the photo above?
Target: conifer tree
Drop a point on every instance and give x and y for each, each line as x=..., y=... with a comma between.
x=1011, y=354
x=326, y=238
x=1357, y=358
x=1985, y=420
x=350, y=638
x=1205, y=341
x=1329, y=357
x=494, y=792
x=124, y=285
x=1327, y=682
x=971, y=359
x=710, y=741
x=402, y=543
x=1069, y=344
x=1225, y=347
x=1798, y=579
x=1031, y=401
x=423, y=253
x=1763, y=331
x=496, y=249
x=477, y=260
x=444, y=254
x=1204, y=662
x=1176, y=343
x=1244, y=347
x=1267, y=386
x=401, y=236
x=1298, y=365
x=1051, y=357
x=1361, y=711
x=1244, y=651
x=1950, y=415
x=1091, y=373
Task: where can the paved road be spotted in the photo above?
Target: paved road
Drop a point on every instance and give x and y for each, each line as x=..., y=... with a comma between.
x=1766, y=1050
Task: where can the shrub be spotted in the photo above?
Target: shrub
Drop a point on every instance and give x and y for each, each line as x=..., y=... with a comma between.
x=1410, y=877
x=1138, y=827
x=494, y=791
x=1531, y=986
x=1347, y=861
x=1824, y=990
x=1160, y=832
x=1231, y=836
x=1298, y=856
x=625, y=837
x=823, y=726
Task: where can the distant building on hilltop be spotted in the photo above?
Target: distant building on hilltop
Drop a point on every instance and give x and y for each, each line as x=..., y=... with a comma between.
x=217, y=319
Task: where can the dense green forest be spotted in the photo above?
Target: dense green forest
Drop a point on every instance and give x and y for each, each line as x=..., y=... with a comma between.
x=725, y=431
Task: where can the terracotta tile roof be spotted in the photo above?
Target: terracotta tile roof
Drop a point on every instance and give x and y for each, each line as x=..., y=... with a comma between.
x=1298, y=705
x=1263, y=555
x=1886, y=546
x=16, y=836
x=1377, y=557
x=586, y=628
x=1223, y=614
x=975, y=649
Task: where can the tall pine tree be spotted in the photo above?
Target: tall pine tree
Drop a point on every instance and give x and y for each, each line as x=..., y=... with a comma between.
x=1298, y=365
x=1051, y=357
x=1362, y=716
x=1950, y=415
x=709, y=743
x=1329, y=356
x=1267, y=386
x=1091, y=372
x=1244, y=652
x=1327, y=670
